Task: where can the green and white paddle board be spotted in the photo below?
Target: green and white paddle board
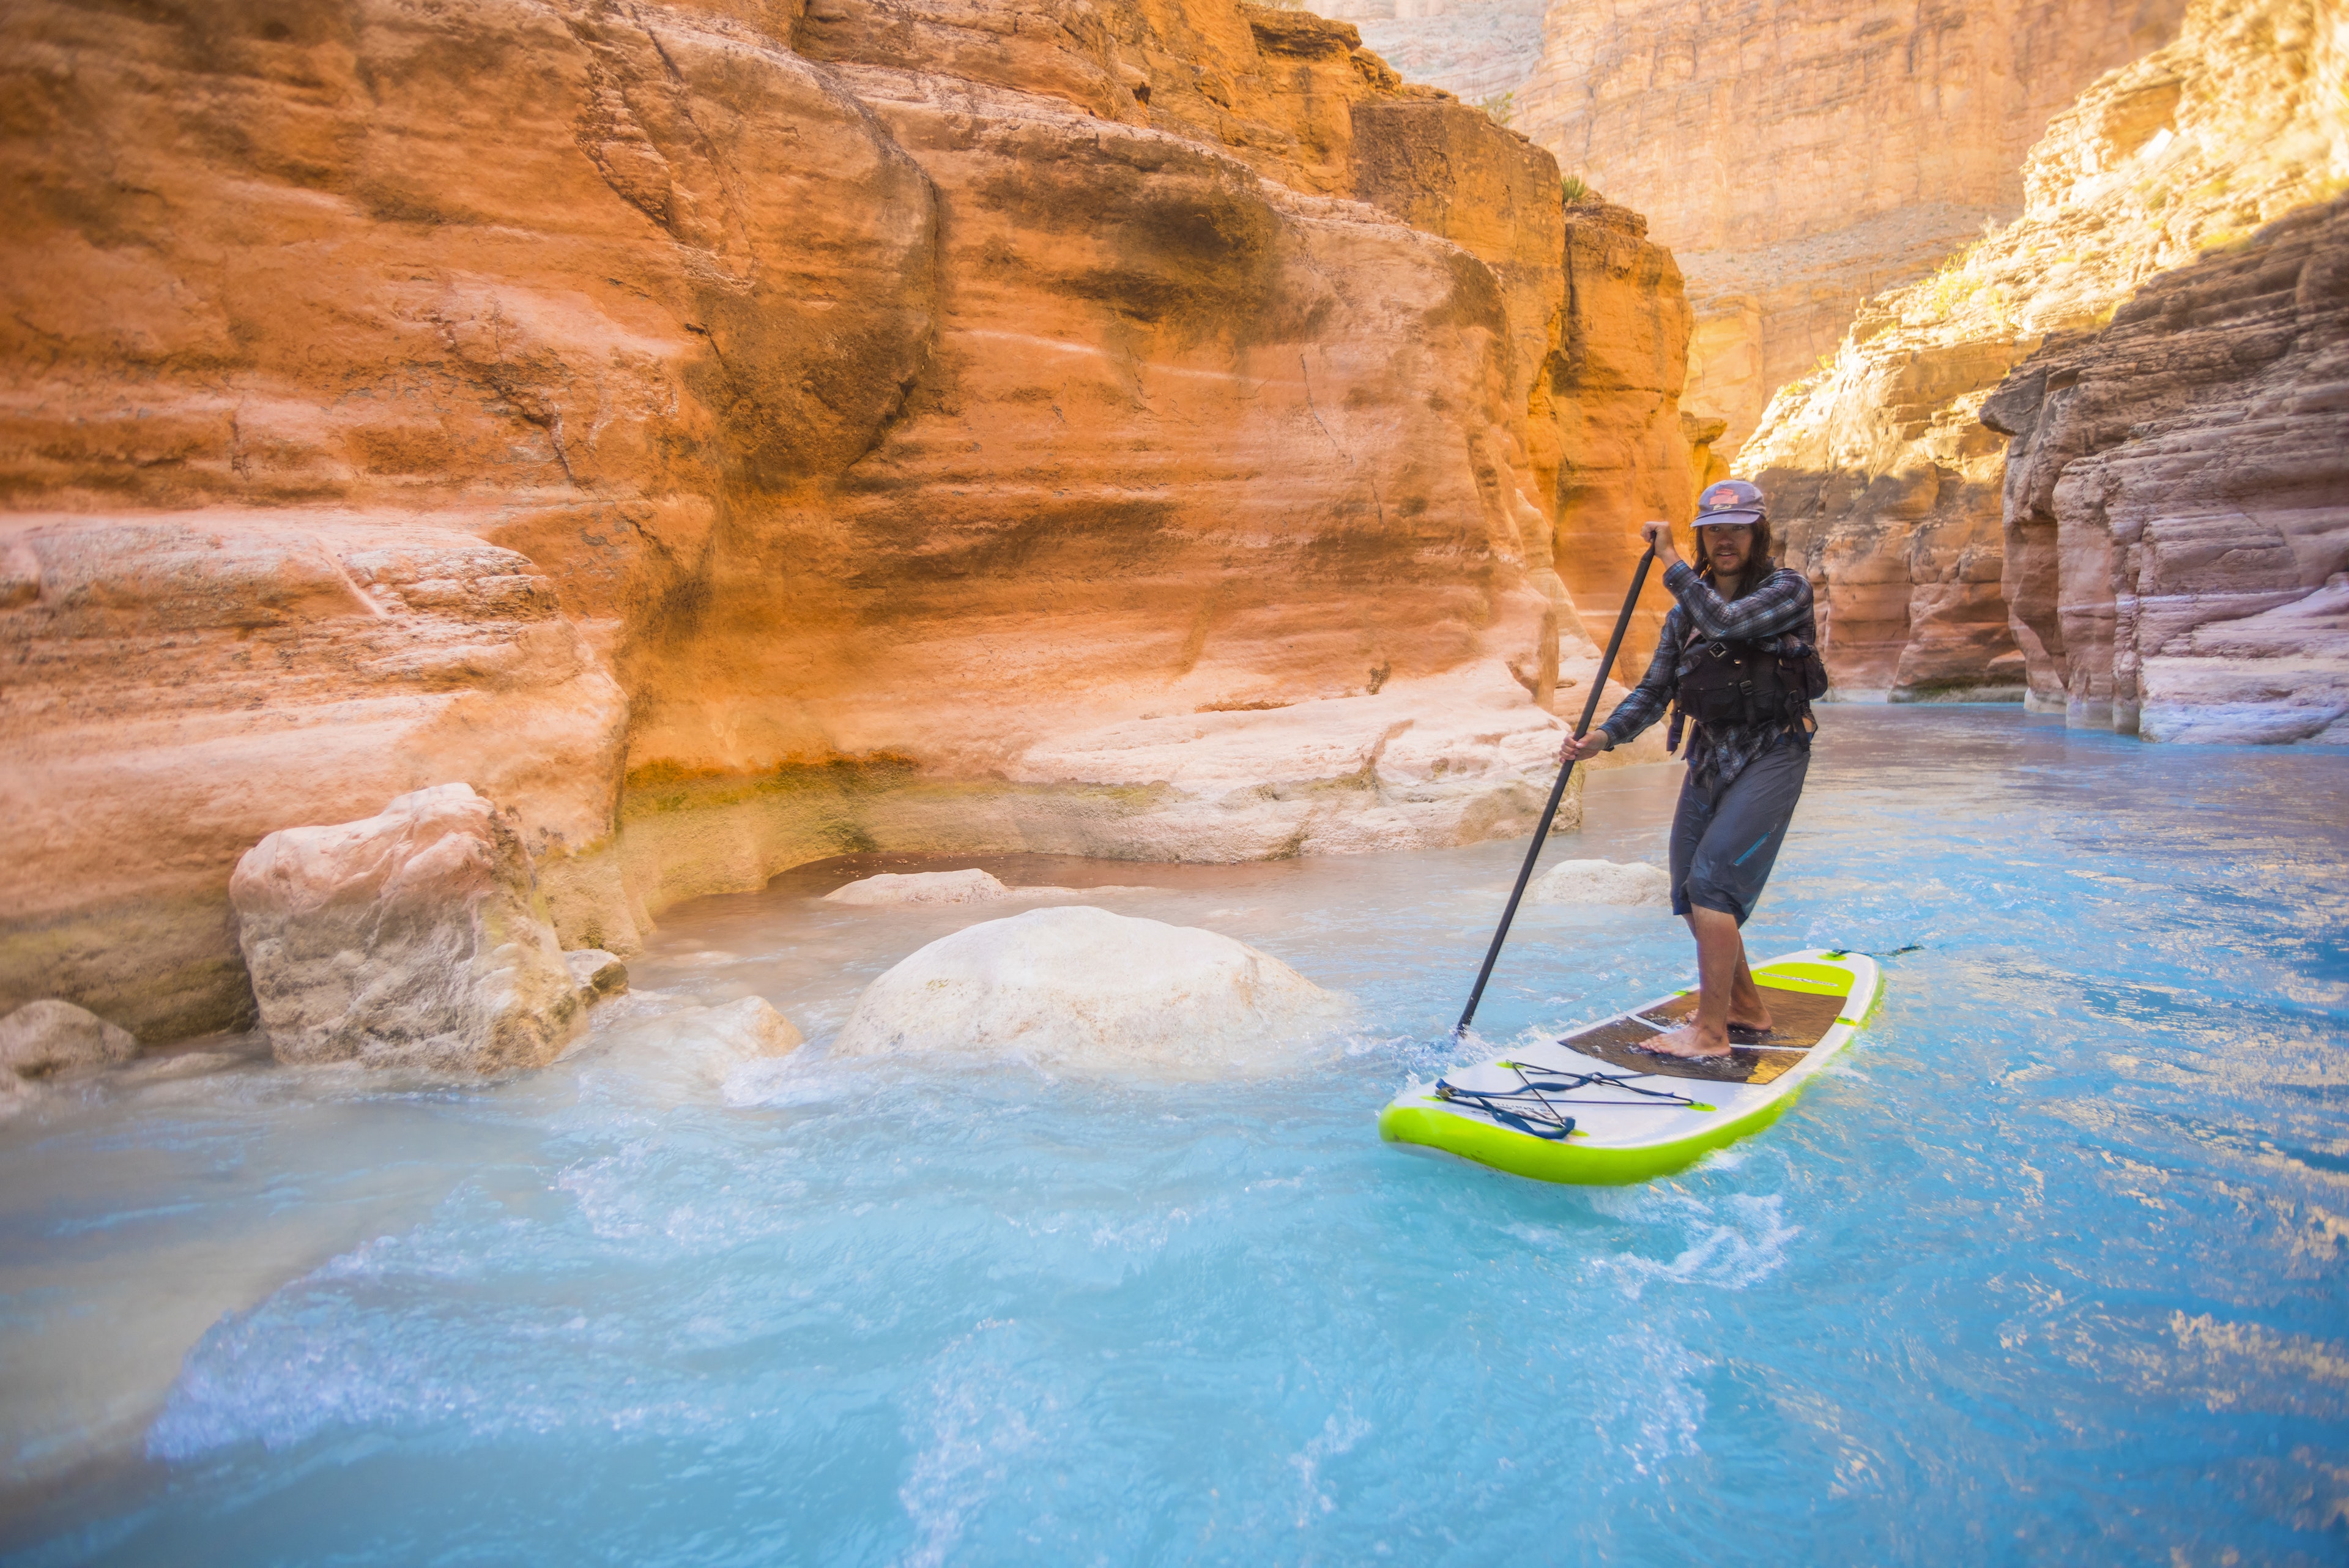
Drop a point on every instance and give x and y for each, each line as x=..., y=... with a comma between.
x=1636, y=1114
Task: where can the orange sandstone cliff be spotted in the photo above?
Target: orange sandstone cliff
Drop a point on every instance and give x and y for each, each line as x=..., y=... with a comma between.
x=728, y=434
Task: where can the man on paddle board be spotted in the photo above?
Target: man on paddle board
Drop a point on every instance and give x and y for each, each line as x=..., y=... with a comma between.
x=1737, y=659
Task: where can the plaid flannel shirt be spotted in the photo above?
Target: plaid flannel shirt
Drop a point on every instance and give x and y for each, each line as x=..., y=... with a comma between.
x=1777, y=605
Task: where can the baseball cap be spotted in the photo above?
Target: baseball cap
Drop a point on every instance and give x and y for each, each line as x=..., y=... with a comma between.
x=1731, y=500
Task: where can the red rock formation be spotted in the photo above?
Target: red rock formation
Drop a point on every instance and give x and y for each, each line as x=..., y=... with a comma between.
x=2178, y=499
x=899, y=402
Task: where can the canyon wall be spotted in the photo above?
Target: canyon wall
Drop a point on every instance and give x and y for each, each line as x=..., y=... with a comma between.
x=1886, y=480
x=1798, y=156
x=1481, y=50
x=729, y=434
x=2176, y=499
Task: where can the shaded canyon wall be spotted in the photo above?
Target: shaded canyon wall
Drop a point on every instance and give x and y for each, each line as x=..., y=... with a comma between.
x=730, y=434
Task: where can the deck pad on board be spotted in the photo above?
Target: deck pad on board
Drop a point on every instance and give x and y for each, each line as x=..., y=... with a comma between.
x=1798, y=1020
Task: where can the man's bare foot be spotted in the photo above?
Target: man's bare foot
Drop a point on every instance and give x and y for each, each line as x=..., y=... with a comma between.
x=1690, y=1042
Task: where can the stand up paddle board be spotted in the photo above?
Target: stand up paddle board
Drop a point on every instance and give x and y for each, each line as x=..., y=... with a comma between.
x=1599, y=1107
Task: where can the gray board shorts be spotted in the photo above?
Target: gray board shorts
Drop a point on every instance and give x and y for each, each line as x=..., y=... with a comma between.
x=1724, y=840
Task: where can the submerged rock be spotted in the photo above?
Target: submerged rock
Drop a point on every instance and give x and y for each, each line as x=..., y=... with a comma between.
x=44, y=1037
x=598, y=974
x=1081, y=990
x=751, y=1027
x=410, y=938
x=1602, y=882
x=685, y=1053
x=968, y=887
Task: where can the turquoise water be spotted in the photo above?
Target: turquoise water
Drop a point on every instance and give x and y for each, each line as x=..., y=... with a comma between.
x=2049, y=1268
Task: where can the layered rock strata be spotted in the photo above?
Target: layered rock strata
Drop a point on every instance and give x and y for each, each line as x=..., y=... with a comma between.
x=2176, y=500
x=1799, y=156
x=1886, y=482
x=729, y=436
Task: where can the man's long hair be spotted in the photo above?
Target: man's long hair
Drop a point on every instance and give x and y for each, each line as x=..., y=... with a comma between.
x=1758, y=563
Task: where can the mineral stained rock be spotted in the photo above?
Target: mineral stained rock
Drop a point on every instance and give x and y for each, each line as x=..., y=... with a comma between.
x=411, y=939
x=1887, y=484
x=1083, y=990
x=52, y=1036
x=730, y=436
x=1798, y=156
x=2178, y=498
x=596, y=973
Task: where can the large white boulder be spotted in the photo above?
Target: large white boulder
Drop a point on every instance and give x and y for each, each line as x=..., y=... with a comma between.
x=44, y=1037
x=1080, y=990
x=1602, y=882
x=412, y=938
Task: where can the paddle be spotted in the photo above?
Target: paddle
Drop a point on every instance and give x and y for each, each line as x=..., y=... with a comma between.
x=1557, y=794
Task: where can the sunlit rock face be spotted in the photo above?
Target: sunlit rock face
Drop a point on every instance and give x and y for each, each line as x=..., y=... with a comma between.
x=411, y=939
x=1081, y=990
x=730, y=435
x=1799, y=156
x=1886, y=482
x=2178, y=498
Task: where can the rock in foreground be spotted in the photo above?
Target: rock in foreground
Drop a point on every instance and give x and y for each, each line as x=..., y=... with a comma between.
x=44, y=1037
x=1602, y=882
x=411, y=939
x=1081, y=990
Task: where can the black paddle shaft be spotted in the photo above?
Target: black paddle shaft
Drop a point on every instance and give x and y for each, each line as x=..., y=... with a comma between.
x=1556, y=793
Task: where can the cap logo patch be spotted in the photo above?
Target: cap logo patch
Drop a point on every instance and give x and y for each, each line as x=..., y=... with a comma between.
x=1724, y=496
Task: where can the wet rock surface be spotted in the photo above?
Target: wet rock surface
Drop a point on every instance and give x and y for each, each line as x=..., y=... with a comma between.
x=51, y=1036
x=411, y=939
x=1602, y=882
x=598, y=974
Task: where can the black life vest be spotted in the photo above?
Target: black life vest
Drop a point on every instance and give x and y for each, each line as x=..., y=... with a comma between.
x=1724, y=684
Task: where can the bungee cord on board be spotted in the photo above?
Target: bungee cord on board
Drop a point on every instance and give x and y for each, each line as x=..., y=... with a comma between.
x=1531, y=1110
